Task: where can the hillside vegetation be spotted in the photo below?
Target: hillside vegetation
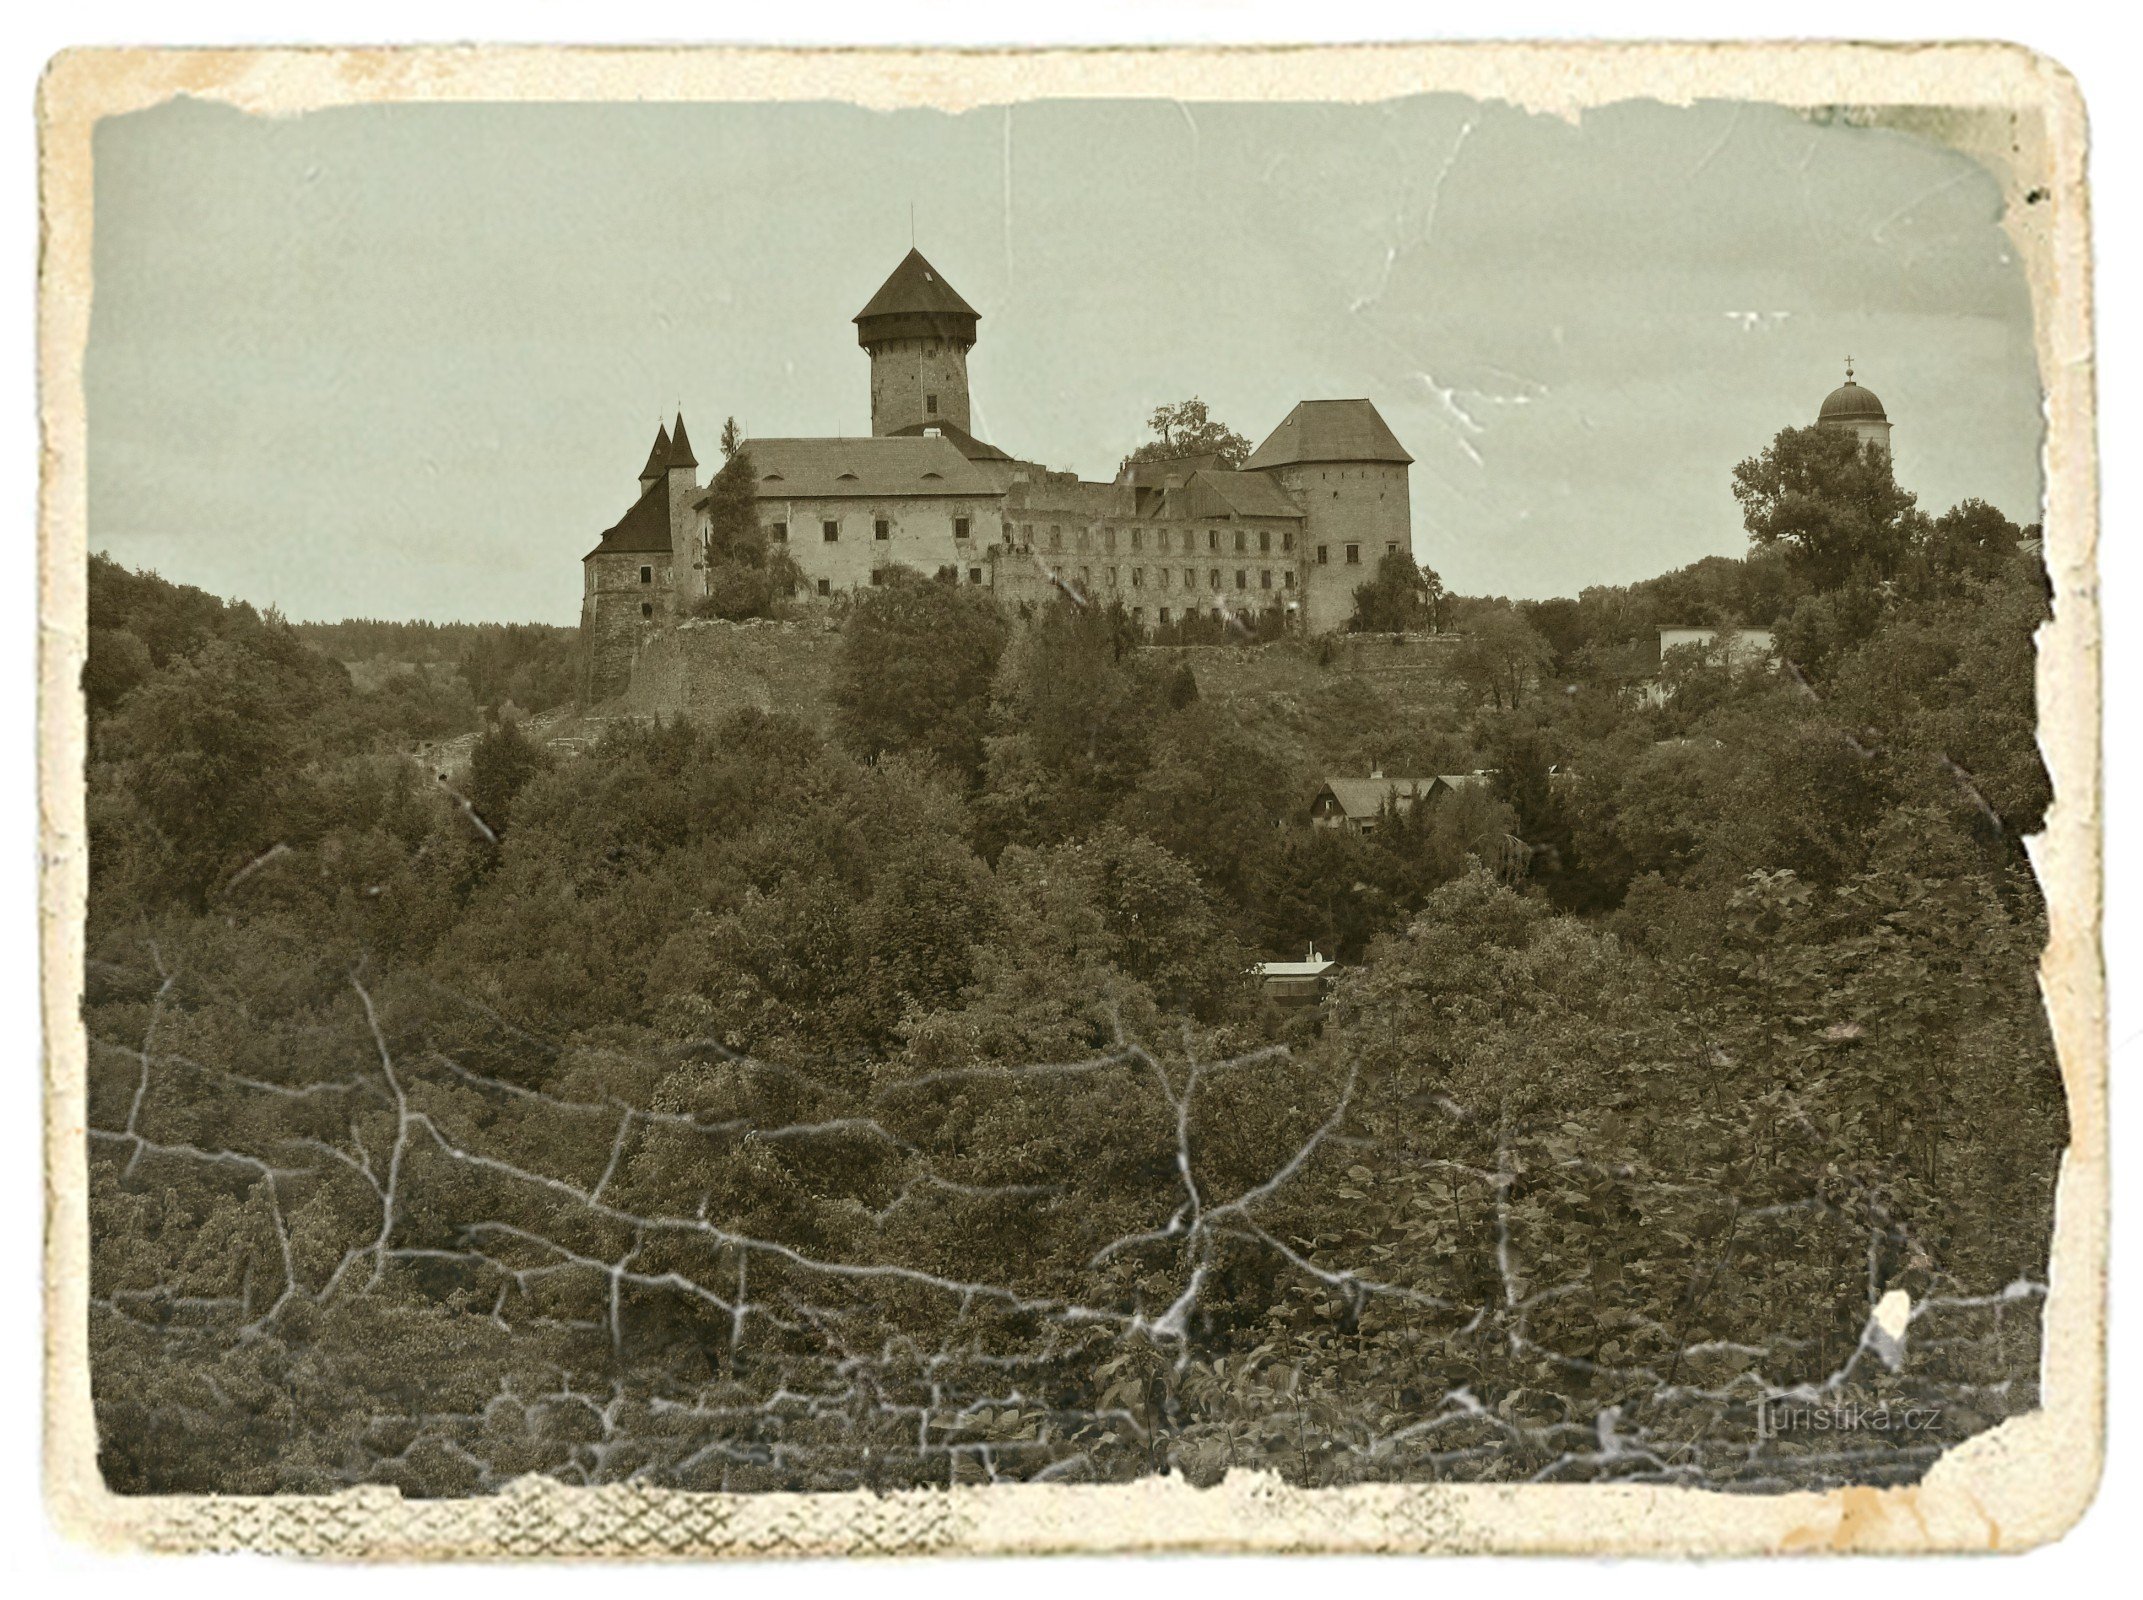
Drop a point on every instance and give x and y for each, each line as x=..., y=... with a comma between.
x=742, y=1106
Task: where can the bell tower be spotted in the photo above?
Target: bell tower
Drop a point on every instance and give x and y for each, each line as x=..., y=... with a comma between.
x=917, y=331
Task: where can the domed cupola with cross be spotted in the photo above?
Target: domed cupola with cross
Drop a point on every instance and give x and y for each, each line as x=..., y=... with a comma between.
x=1851, y=407
x=918, y=332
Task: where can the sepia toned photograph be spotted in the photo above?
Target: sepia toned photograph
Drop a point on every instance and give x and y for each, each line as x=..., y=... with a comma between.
x=840, y=795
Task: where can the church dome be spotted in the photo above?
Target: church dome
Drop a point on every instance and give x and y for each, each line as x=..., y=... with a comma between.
x=1849, y=402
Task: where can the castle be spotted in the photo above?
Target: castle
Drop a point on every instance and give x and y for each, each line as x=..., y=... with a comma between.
x=1295, y=529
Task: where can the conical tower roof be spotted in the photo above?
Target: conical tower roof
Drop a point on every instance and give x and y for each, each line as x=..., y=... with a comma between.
x=681, y=447
x=658, y=458
x=916, y=301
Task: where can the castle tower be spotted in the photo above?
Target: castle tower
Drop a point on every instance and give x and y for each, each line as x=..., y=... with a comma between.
x=918, y=332
x=1340, y=462
x=1852, y=408
x=688, y=580
x=657, y=458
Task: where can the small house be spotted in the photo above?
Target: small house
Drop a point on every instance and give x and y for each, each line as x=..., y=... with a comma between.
x=1297, y=983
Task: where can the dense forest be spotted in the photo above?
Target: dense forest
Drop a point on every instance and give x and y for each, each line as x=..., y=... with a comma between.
x=744, y=1107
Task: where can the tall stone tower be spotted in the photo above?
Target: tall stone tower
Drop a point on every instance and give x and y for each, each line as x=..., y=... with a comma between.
x=918, y=332
x=1340, y=462
x=1852, y=408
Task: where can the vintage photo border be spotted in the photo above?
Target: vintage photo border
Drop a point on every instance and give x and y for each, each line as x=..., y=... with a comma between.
x=2023, y=1482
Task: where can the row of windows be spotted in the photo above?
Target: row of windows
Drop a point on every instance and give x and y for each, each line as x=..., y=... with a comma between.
x=1082, y=538
x=1352, y=553
x=1165, y=576
x=881, y=530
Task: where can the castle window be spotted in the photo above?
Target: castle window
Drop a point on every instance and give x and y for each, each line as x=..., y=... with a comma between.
x=959, y=527
x=1212, y=538
x=881, y=529
x=830, y=531
x=1265, y=578
x=647, y=574
x=1136, y=541
x=1240, y=546
x=1056, y=536
x=1264, y=541
x=825, y=586
x=1138, y=577
x=1324, y=552
x=1190, y=577
x=1112, y=577
x=1026, y=535
x=1138, y=615
x=1242, y=578
x=1214, y=575
x=647, y=608
x=1391, y=547
x=1108, y=540
x=930, y=404
x=1287, y=542
x=1161, y=535
x=1287, y=579
x=974, y=574
x=780, y=531
x=1086, y=577
x=1164, y=614
x=1354, y=555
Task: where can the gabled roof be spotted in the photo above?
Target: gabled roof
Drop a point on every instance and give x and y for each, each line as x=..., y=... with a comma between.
x=644, y=528
x=1365, y=798
x=970, y=446
x=1235, y=494
x=868, y=469
x=681, y=447
x=1329, y=430
x=659, y=456
x=916, y=288
x=1160, y=472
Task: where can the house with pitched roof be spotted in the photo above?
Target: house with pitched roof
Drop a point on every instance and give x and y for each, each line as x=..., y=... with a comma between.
x=1294, y=531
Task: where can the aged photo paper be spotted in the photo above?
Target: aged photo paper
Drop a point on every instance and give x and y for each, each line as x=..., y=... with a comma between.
x=1505, y=959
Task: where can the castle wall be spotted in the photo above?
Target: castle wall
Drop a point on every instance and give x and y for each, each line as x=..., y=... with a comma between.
x=905, y=373
x=921, y=532
x=706, y=669
x=1357, y=508
x=617, y=608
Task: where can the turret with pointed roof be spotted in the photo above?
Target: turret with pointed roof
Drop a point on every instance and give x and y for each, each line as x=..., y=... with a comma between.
x=681, y=447
x=918, y=332
x=658, y=458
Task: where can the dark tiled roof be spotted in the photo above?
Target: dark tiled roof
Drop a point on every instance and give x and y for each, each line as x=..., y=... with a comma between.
x=915, y=303
x=970, y=446
x=646, y=527
x=681, y=447
x=916, y=288
x=1365, y=798
x=1329, y=430
x=659, y=456
x=1234, y=494
x=873, y=468
x=1158, y=474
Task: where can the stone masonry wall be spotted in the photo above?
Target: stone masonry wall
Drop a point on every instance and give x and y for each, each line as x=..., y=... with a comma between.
x=706, y=669
x=1362, y=505
x=905, y=372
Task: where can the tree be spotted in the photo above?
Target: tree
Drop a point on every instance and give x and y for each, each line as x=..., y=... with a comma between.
x=1187, y=429
x=1831, y=503
x=744, y=578
x=1401, y=598
x=500, y=767
x=917, y=659
x=1499, y=655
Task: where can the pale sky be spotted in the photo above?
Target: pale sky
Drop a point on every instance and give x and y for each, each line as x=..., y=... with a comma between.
x=407, y=361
